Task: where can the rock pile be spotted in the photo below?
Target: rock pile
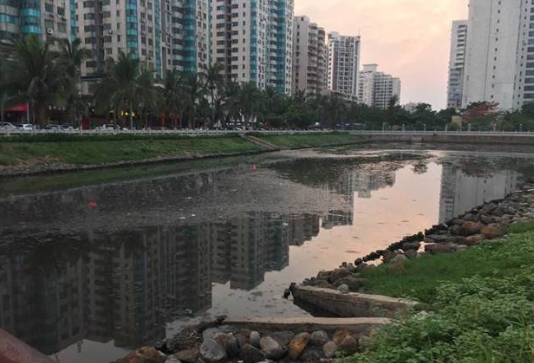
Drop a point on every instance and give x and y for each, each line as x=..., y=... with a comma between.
x=232, y=344
x=486, y=222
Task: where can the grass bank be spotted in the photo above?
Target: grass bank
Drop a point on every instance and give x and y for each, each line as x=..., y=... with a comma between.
x=482, y=303
x=308, y=140
x=89, y=150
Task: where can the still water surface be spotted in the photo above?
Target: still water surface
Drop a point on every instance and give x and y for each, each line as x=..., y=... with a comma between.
x=87, y=273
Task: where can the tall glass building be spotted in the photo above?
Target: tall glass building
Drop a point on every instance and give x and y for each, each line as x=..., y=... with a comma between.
x=49, y=20
x=253, y=40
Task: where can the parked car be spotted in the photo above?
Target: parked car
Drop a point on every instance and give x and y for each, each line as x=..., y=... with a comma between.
x=7, y=126
x=67, y=127
x=25, y=127
x=53, y=127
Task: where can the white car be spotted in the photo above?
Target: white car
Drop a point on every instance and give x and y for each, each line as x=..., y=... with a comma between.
x=7, y=126
x=25, y=127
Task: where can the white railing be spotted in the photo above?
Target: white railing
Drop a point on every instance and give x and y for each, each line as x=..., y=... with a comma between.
x=4, y=132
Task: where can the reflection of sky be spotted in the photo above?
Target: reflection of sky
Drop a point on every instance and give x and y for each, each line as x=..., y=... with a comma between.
x=387, y=202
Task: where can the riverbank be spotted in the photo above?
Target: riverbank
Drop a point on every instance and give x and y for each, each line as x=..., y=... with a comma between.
x=471, y=279
x=49, y=153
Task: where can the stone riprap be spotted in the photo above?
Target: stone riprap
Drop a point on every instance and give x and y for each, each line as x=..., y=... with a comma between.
x=486, y=222
x=234, y=339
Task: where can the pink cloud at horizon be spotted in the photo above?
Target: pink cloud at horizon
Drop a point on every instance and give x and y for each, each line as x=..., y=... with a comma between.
x=407, y=38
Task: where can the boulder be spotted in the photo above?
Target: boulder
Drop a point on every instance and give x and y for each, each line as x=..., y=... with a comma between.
x=462, y=248
x=491, y=232
x=437, y=238
x=388, y=256
x=297, y=345
x=338, y=274
x=456, y=230
x=344, y=289
x=250, y=354
x=212, y=352
x=349, y=345
x=312, y=355
x=411, y=254
x=369, y=268
x=330, y=349
x=271, y=348
x=411, y=246
x=399, y=259
x=470, y=228
x=340, y=335
x=323, y=284
x=229, y=343
x=145, y=355
x=209, y=333
x=474, y=240
x=188, y=356
x=282, y=337
x=319, y=338
x=323, y=275
x=254, y=339
x=353, y=283
x=241, y=340
x=439, y=248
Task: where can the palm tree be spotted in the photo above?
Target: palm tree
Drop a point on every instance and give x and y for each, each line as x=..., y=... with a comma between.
x=194, y=92
x=4, y=86
x=40, y=78
x=250, y=102
x=146, y=94
x=171, y=93
x=230, y=102
x=118, y=88
x=72, y=56
x=214, y=80
x=334, y=110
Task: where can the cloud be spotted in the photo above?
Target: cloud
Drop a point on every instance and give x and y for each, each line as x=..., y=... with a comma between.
x=407, y=38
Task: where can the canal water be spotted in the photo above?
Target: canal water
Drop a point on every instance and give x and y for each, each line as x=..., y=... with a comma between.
x=93, y=265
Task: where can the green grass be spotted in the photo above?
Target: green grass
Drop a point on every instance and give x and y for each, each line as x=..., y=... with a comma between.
x=108, y=149
x=309, y=140
x=423, y=276
x=481, y=306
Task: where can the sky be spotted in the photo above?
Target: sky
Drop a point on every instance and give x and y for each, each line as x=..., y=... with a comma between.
x=409, y=39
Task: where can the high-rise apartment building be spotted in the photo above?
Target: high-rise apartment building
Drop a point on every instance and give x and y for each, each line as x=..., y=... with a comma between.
x=499, y=64
x=49, y=20
x=343, y=64
x=457, y=64
x=309, y=56
x=162, y=34
x=253, y=41
x=376, y=89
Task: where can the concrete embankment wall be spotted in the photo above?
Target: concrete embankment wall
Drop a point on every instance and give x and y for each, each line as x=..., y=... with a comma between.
x=351, y=304
x=451, y=138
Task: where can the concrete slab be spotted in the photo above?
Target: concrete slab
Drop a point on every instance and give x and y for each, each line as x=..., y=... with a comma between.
x=309, y=324
x=352, y=304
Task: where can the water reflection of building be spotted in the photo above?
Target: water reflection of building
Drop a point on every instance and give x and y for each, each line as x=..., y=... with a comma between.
x=461, y=192
x=125, y=286
x=245, y=248
x=43, y=307
x=361, y=182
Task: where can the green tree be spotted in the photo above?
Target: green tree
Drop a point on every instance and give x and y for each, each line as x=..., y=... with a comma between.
x=117, y=90
x=146, y=95
x=215, y=83
x=41, y=79
x=194, y=93
x=250, y=102
x=72, y=57
x=172, y=92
